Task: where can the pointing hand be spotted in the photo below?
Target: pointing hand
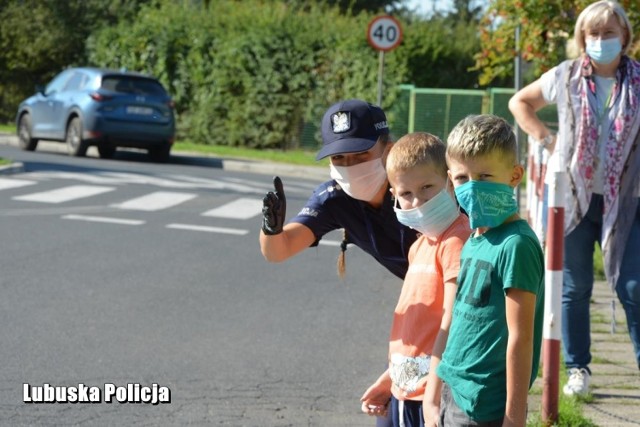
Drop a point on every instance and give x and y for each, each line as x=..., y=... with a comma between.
x=274, y=208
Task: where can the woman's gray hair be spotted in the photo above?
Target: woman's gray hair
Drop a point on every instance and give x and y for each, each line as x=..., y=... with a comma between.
x=596, y=14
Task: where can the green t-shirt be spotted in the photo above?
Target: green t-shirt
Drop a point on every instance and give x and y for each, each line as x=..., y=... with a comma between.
x=474, y=361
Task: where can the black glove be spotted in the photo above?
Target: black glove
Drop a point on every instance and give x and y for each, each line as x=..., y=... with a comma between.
x=274, y=208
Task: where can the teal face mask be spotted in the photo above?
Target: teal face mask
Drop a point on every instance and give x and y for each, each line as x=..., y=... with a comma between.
x=488, y=204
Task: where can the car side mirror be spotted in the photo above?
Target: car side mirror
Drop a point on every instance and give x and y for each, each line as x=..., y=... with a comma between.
x=40, y=89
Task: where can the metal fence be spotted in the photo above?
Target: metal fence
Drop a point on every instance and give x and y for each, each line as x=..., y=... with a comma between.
x=437, y=111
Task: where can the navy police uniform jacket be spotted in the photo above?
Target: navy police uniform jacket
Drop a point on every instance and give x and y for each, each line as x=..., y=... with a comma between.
x=376, y=231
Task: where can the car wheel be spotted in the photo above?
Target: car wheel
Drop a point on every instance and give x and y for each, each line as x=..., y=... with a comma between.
x=75, y=145
x=160, y=154
x=106, y=151
x=25, y=140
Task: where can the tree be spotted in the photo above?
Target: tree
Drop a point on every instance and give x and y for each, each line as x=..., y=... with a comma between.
x=351, y=6
x=38, y=39
x=545, y=28
x=440, y=49
x=468, y=11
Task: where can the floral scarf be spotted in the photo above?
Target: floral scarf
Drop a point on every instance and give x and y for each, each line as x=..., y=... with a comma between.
x=579, y=137
x=623, y=104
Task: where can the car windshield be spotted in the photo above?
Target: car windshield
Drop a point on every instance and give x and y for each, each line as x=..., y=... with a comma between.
x=133, y=85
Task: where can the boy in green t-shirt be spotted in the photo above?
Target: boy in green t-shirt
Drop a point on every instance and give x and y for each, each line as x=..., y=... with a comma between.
x=493, y=351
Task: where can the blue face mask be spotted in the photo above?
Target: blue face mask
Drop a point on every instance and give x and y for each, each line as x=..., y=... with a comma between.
x=603, y=51
x=488, y=204
x=432, y=217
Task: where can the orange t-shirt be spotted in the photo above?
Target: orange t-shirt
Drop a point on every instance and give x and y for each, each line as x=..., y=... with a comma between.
x=418, y=315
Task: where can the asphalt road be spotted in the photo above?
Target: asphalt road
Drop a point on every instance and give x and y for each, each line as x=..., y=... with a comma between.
x=97, y=291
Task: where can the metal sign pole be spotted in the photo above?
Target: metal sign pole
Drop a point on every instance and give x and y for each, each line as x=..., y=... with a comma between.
x=380, y=73
x=552, y=331
x=383, y=33
x=520, y=137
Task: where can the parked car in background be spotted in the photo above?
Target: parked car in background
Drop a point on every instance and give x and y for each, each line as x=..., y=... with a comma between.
x=102, y=107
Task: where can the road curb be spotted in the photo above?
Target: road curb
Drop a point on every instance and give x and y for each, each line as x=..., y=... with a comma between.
x=12, y=168
x=280, y=169
x=229, y=164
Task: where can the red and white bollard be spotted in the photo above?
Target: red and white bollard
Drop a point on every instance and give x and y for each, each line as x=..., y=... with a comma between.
x=553, y=298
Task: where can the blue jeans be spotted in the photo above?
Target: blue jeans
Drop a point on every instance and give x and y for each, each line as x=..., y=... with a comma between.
x=579, y=246
x=411, y=414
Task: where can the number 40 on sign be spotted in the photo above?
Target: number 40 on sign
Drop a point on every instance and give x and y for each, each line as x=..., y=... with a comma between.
x=384, y=34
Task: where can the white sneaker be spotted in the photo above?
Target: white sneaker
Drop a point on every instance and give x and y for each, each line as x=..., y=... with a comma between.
x=578, y=383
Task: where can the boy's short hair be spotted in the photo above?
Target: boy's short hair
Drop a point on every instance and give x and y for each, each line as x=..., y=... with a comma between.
x=480, y=135
x=417, y=148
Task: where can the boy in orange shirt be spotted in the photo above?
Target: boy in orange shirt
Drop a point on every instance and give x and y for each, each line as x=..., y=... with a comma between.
x=417, y=171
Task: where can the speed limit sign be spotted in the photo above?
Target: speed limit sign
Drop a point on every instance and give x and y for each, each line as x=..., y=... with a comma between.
x=384, y=33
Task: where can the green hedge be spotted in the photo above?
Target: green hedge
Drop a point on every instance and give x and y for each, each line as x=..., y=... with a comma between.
x=252, y=73
x=249, y=73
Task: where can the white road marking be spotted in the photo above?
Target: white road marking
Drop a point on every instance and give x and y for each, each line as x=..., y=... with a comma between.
x=236, y=231
x=242, y=208
x=57, y=210
x=122, y=178
x=64, y=194
x=6, y=183
x=329, y=243
x=135, y=178
x=90, y=218
x=290, y=185
x=91, y=178
x=155, y=201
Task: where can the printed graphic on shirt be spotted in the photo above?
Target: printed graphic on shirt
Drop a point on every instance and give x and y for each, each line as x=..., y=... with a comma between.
x=417, y=268
x=477, y=289
x=406, y=372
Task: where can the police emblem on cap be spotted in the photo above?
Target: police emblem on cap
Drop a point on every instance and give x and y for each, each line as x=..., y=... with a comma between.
x=341, y=122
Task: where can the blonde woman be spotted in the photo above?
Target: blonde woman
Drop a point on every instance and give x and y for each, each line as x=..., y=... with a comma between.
x=598, y=103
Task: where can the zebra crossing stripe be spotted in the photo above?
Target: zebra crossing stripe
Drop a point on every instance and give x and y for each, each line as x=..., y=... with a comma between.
x=222, y=230
x=90, y=218
x=242, y=208
x=330, y=243
x=155, y=201
x=7, y=183
x=64, y=194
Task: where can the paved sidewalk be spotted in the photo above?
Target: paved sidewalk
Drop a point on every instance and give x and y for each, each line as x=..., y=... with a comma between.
x=615, y=383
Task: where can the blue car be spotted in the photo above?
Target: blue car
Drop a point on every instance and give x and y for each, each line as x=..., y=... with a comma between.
x=106, y=108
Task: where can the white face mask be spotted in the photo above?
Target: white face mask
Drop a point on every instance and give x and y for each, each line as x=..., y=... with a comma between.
x=432, y=217
x=361, y=181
